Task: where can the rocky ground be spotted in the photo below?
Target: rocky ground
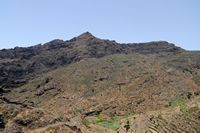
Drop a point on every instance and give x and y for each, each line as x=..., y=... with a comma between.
x=88, y=84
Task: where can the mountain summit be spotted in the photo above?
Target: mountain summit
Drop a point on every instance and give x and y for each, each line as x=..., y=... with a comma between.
x=87, y=84
x=85, y=35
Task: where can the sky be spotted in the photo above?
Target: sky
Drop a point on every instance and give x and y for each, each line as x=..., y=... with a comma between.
x=29, y=22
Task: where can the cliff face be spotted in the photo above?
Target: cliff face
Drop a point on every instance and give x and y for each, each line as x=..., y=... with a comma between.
x=88, y=84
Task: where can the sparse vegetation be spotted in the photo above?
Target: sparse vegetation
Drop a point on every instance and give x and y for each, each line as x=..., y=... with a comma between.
x=127, y=126
x=110, y=122
x=193, y=110
x=86, y=122
x=181, y=102
x=178, y=101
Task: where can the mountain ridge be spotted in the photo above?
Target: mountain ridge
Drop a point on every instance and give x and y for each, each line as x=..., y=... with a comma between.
x=56, y=53
x=86, y=35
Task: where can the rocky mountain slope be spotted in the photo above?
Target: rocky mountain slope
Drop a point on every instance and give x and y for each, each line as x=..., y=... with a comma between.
x=88, y=84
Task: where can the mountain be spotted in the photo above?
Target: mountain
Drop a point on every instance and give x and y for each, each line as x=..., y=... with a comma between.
x=18, y=65
x=88, y=84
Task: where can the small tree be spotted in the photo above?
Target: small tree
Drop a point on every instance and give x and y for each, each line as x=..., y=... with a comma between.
x=127, y=126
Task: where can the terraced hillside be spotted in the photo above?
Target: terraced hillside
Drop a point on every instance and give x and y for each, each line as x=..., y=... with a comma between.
x=89, y=84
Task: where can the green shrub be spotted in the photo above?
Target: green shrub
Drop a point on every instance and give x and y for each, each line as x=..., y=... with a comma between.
x=110, y=124
x=193, y=110
x=178, y=101
x=99, y=118
x=86, y=122
x=127, y=126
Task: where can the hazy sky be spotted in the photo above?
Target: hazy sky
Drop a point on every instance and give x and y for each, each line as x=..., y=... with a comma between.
x=30, y=22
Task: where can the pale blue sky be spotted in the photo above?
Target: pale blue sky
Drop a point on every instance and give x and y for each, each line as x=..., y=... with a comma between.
x=30, y=22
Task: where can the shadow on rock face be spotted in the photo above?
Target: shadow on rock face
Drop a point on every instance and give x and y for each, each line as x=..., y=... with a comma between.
x=2, y=124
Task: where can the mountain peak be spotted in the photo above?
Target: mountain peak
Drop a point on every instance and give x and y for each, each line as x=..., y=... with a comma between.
x=86, y=35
